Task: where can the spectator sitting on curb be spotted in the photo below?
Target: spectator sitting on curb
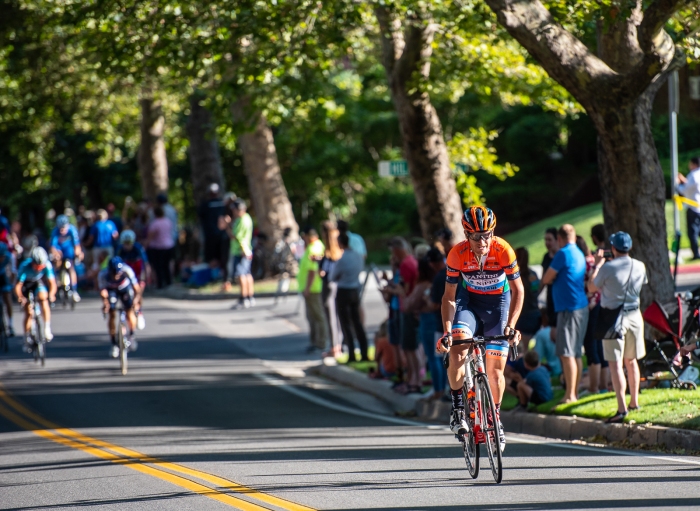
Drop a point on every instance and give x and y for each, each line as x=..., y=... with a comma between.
x=545, y=346
x=514, y=373
x=384, y=354
x=536, y=388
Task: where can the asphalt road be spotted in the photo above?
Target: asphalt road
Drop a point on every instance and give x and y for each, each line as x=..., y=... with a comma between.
x=216, y=413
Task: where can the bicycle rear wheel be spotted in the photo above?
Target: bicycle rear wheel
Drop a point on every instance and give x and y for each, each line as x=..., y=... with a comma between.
x=122, y=349
x=469, y=446
x=493, y=439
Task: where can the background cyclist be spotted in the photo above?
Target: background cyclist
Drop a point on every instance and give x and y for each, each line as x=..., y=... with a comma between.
x=118, y=282
x=6, y=281
x=482, y=274
x=133, y=254
x=65, y=245
x=32, y=276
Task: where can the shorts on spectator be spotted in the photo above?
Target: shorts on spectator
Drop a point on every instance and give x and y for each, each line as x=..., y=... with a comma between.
x=96, y=251
x=395, y=328
x=631, y=346
x=536, y=399
x=241, y=266
x=571, y=330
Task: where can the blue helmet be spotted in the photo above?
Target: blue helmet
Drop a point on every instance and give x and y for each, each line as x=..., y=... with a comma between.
x=61, y=221
x=115, y=266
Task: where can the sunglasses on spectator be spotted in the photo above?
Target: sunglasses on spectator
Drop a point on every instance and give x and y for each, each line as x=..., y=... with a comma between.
x=480, y=236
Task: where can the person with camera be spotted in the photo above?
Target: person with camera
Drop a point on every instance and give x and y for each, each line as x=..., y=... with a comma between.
x=620, y=322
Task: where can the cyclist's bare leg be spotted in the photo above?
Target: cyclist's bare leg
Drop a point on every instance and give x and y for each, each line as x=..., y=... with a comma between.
x=43, y=298
x=112, y=326
x=455, y=372
x=7, y=298
x=494, y=370
x=28, y=314
x=131, y=319
x=73, y=276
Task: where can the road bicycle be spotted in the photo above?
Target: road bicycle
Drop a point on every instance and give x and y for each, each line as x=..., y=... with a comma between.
x=36, y=331
x=483, y=427
x=120, y=327
x=65, y=287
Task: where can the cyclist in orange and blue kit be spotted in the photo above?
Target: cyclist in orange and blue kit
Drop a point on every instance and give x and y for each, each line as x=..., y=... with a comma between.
x=484, y=295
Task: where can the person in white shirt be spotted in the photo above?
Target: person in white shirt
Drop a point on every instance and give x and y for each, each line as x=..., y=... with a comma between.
x=689, y=187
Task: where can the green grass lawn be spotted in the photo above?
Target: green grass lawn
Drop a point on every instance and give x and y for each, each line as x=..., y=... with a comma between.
x=583, y=218
x=662, y=407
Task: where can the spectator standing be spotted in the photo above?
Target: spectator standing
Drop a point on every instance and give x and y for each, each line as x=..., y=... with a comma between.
x=103, y=235
x=536, y=387
x=346, y=274
x=566, y=275
x=418, y=302
x=216, y=242
x=240, y=231
x=620, y=283
x=599, y=239
x=329, y=235
x=160, y=247
x=310, y=286
x=116, y=219
x=530, y=317
x=550, y=243
x=446, y=238
x=437, y=371
x=357, y=243
x=408, y=276
x=598, y=236
x=170, y=213
x=592, y=346
x=394, y=322
x=689, y=186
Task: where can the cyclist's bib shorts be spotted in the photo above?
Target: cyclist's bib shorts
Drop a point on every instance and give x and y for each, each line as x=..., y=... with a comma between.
x=125, y=295
x=485, y=315
x=35, y=287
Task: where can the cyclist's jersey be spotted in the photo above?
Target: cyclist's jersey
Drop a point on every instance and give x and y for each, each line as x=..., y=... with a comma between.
x=500, y=266
x=66, y=243
x=27, y=274
x=124, y=282
x=135, y=258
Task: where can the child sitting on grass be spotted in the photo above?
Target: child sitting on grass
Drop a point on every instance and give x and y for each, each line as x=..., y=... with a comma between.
x=384, y=354
x=536, y=387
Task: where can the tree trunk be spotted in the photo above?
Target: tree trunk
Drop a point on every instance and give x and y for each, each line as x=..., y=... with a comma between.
x=152, y=160
x=268, y=194
x=633, y=187
x=204, y=150
x=406, y=56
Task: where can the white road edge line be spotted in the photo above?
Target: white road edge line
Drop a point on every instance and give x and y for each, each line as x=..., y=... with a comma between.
x=292, y=389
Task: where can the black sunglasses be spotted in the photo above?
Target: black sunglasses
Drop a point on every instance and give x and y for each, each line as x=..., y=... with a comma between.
x=480, y=236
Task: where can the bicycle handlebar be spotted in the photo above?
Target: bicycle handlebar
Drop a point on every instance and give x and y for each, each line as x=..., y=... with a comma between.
x=512, y=349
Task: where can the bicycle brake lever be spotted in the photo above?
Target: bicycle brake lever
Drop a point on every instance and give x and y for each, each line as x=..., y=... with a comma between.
x=513, y=352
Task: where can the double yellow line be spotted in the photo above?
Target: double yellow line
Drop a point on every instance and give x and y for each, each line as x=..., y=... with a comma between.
x=223, y=490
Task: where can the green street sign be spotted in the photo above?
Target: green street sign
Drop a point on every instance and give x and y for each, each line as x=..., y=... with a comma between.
x=393, y=168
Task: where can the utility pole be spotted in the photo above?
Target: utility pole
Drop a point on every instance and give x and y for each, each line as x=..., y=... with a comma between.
x=673, y=100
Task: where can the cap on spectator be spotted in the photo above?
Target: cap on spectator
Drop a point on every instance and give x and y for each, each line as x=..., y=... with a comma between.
x=162, y=198
x=214, y=188
x=621, y=241
x=238, y=204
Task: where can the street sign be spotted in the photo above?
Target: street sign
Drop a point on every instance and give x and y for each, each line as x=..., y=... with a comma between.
x=393, y=168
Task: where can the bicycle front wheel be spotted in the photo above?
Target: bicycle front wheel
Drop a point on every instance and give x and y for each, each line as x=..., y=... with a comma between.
x=122, y=350
x=469, y=445
x=486, y=407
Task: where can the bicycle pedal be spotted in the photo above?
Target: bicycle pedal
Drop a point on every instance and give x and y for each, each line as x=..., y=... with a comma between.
x=460, y=438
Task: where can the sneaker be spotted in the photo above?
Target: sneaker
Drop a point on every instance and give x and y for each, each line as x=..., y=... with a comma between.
x=114, y=351
x=47, y=333
x=237, y=306
x=252, y=301
x=140, y=321
x=247, y=304
x=76, y=297
x=458, y=424
x=131, y=343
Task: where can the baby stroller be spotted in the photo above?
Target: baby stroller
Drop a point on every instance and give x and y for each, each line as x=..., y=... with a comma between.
x=675, y=323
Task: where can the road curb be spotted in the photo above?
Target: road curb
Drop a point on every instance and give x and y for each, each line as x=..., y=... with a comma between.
x=381, y=389
x=561, y=427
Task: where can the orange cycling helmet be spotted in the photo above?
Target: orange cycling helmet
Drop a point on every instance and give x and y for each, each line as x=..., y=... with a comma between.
x=478, y=219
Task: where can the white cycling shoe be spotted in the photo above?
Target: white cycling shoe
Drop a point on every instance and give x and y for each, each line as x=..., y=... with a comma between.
x=458, y=423
x=114, y=351
x=48, y=335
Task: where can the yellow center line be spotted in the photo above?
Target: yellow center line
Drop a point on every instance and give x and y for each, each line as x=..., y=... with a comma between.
x=141, y=458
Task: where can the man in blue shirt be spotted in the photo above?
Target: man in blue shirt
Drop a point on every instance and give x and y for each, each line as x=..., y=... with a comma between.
x=65, y=246
x=566, y=274
x=103, y=233
x=32, y=276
